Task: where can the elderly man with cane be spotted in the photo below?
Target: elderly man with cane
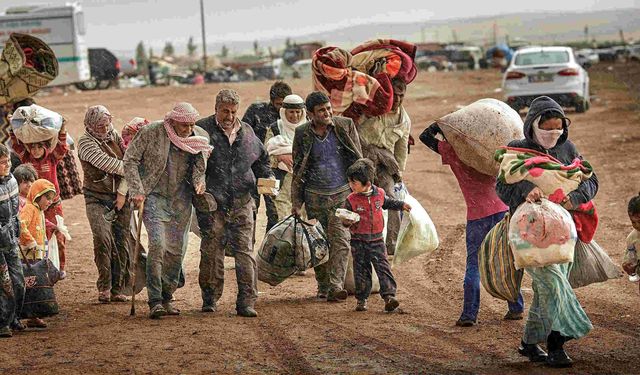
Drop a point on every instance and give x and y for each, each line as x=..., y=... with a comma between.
x=164, y=165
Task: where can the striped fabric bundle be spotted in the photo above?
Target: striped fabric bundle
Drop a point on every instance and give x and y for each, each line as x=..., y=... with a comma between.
x=498, y=273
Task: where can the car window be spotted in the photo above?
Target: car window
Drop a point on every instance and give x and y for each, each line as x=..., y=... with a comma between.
x=542, y=57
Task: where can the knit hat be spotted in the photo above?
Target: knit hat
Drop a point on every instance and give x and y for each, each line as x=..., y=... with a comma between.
x=293, y=101
x=183, y=112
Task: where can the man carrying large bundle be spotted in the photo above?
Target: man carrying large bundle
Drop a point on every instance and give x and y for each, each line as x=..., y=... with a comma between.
x=238, y=159
x=385, y=140
x=163, y=166
x=484, y=211
x=323, y=149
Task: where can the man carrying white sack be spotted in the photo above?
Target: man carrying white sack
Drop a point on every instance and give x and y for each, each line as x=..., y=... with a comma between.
x=164, y=165
x=239, y=158
x=385, y=141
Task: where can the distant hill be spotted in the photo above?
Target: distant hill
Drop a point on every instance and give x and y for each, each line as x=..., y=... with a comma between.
x=538, y=27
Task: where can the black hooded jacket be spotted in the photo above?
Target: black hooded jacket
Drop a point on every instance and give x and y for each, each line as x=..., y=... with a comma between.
x=515, y=194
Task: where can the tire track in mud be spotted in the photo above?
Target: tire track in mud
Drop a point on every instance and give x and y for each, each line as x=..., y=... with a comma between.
x=288, y=353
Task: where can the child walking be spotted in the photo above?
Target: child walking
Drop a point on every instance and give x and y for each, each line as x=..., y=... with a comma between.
x=32, y=228
x=367, y=243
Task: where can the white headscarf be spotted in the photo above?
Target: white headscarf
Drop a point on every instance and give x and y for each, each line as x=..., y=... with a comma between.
x=287, y=129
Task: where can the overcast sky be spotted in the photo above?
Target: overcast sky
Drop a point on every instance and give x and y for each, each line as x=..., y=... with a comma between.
x=121, y=24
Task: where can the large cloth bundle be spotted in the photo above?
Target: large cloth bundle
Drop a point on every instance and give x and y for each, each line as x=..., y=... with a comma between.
x=40, y=299
x=27, y=64
x=32, y=124
x=555, y=179
x=291, y=245
x=542, y=233
x=591, y=264
x=477, y=130
x=417, y=234
x=498, y=273
x=358, y=83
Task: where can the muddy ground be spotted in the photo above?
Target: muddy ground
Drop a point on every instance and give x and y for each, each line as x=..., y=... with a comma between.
x=294, y=333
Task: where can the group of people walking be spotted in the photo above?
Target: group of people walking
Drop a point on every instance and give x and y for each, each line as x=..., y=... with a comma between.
x=188, y=166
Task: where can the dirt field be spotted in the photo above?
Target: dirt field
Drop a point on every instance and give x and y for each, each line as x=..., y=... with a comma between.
x=296, y=334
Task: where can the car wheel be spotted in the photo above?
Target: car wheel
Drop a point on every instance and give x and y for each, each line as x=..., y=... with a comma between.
x=581, y=106
x=103, y=85
x=90, y=84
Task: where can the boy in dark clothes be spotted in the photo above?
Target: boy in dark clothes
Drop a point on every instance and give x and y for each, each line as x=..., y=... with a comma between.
x=367, y=243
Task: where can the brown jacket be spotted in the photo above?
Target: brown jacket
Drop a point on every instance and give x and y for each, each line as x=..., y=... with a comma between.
x=146, y=159
x=303, y=141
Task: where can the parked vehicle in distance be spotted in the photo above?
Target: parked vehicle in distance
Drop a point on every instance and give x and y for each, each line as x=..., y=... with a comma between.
x=550, y=71
x=105, y=69
x=634, y=52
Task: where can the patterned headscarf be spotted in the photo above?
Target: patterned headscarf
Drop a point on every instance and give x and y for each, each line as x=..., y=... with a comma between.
x=99, y=115
x=195, y=144
x=132, y=127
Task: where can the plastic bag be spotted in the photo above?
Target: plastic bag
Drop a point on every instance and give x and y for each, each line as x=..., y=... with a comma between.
x=291, y=245
x=498, y=273
x=591, y=264
x=52, y=251
x=479, y=129
x=62, y=228
x=32, y=124
x=542, y=233
x=417, y=234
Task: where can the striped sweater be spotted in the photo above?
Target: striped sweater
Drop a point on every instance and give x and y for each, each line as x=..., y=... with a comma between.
x=102, y=163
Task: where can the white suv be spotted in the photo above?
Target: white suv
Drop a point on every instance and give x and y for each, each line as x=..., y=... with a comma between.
x=550, y=71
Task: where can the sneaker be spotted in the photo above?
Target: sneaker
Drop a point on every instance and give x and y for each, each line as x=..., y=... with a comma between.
x=466, y=322
x=321, y=295
x=17, y=326
x=119, y=298
x=558, y=359
x=390, y=304
x=157, y=311
x=170, y=309
x=36, y=323
x=337, y=295
x=208, y=308
x=532, y=351
x=104, y=297
x=247, y=312
x=5, y=332
x=511, y=315
x=361, y=305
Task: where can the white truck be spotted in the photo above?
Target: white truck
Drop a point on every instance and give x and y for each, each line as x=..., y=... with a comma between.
x=61, y=27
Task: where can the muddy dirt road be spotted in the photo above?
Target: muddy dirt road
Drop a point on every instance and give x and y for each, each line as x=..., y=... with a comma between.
x=294, y=333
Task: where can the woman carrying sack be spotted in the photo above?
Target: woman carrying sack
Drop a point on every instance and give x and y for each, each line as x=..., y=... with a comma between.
x=555, y=315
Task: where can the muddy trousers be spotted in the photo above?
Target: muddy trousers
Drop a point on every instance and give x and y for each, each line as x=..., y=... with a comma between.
x=476, y=232
x=386, y=182
x=365, y=254
x=330, y=275
x=168, y=233
x=233, y=229
x=110, y=245
x=11, y=285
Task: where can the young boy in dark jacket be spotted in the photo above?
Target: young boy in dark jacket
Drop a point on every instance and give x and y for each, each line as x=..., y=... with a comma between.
x=11, y=278
x=367, y=243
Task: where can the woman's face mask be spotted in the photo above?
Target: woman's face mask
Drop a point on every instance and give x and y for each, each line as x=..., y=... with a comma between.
x=548, y=133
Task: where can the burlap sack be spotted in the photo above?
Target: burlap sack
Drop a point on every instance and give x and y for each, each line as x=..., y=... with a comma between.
x=22, y=75
x=479, y=129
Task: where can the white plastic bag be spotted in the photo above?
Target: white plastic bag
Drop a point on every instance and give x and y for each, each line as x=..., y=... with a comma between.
x=52, y=251
x=479, y=129
x=32, y=124
x=541, y=234
x=62, y=228
x=417, y=234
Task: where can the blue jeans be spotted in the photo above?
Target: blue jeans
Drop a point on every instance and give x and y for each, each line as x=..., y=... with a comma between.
x=476, y=231
x=11, y=286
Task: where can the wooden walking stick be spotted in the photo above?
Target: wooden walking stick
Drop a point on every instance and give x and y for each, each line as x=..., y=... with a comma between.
x=136, y=251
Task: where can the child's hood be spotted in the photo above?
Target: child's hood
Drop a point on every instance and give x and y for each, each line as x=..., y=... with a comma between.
x=39, y=188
